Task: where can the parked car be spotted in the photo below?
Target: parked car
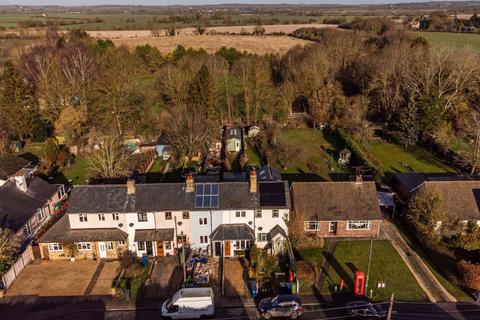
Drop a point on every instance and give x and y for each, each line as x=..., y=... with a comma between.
x=366, y=310
x=282, y=305
x=189, y=303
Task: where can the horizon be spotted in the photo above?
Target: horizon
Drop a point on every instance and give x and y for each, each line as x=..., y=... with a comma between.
x=87, y=3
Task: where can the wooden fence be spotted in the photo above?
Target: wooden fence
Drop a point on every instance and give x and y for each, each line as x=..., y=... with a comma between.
x=24, y=259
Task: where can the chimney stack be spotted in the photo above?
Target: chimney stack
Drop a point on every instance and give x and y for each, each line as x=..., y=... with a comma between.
x=253, y=181
x=190, y=187
x=358, y=178
x=131, y=186
x=21, y=181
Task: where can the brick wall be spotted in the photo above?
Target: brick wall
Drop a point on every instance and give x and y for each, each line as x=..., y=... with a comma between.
x=89, y=254
x=342, y=231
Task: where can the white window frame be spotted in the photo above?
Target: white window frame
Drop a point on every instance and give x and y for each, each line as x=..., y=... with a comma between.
x=168, y=215
x=307, y=225
x=55, y=246
x=332, y=224
x=185, y=214
x=351, y=225
x=202, y=221
x=41, y=215
x=115, y=216
x=141, y=215
x=121, y=243
x=84, y=246
x=275, y=213
x=101, y=217
x=110, y=246
x=141, y=246
x=242, y=244
x=27, y=229
x=82, y=217
x=168, y=245
x=258, y=213
x=237, y=214
x=262, y=237
x=203, y=239
x=61, y=192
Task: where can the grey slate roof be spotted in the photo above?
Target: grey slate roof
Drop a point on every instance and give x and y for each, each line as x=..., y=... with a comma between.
x=275, y=231
x=336, y=201
x=61, y=232
x=161, y=197
x=100, y=199
x=236, y=231
x=10, y=164
x=233, y=133
x=269, y=173
x=154, y=235
x=17, y=207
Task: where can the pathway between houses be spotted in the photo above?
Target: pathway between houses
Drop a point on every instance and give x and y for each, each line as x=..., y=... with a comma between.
x=325, y=265
x=432, y=287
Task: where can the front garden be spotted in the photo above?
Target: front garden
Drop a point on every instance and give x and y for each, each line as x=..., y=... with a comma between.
x=131, y=279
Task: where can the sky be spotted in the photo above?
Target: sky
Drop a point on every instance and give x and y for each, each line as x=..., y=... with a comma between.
x=193, y=2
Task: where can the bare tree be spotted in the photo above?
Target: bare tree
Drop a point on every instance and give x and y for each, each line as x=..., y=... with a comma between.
x=111, y=160
x=188, y=131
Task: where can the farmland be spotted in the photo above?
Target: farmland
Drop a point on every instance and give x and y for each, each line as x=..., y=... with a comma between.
x=457, y=41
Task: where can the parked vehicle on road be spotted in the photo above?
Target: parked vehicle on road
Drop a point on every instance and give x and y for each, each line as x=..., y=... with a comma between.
x=365, y=310
x=282, y=305
x=189, y=303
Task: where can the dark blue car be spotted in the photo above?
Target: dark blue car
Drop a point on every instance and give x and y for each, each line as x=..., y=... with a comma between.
x=283, y=305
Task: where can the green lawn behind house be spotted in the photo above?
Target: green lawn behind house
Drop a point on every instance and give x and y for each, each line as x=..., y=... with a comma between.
x=311, y=159
x=78, y=170
x=396, y=158
x=386, y=266
x=252, y=154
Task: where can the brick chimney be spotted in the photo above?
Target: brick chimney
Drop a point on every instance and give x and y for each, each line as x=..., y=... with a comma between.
x=253, y=181
x=131, y=186
x=189, y=185
x=358, y=178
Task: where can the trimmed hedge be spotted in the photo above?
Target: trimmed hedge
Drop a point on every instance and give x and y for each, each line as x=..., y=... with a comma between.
x=360, y=155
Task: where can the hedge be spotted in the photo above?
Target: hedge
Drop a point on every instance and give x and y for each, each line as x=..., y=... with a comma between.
x=360, y=154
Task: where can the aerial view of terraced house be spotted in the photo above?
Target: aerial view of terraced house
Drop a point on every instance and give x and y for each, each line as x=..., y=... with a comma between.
x=223, y=218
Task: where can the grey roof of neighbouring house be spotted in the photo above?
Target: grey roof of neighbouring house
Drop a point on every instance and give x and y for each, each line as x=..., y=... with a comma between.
x=233, y=133
x=10, y=164
x=61, y=232
x=337, y=201
x=269, y=173
x=154, y=235
x=459, y=199
x=236, y=231
x=17, y=207
x=172, y=197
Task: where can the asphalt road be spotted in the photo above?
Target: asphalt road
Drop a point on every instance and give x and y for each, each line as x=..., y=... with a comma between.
x=46, y=309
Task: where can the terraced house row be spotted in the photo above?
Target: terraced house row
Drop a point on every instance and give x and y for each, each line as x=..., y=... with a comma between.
x=224, y=218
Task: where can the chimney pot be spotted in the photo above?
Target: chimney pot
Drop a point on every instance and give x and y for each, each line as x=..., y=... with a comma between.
x=253, y=181
x=131, y=187
x=358, y=179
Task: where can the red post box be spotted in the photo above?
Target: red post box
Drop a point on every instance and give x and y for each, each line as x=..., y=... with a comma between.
x=359, y=284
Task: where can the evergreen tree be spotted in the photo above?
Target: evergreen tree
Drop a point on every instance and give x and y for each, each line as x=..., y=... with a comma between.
x=201, y=91
x=408, y=125
x=18, y=107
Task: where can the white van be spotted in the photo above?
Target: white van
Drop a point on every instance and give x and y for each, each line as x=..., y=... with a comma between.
x=189, y=303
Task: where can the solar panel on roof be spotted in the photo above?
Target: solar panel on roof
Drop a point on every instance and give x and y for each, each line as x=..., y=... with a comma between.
x=206, y=195
x=272, y=194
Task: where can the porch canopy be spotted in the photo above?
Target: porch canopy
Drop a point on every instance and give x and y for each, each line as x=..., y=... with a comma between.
x=237, y=231
x=154, y=235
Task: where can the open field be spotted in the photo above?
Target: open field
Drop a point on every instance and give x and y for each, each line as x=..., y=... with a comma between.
x=211, y=44
x=127, y=34
x=395, y=158
x=457, y=41
x=386, y=266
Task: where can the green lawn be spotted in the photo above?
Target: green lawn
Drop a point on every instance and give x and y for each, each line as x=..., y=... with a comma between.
x=395, y=158
x=386, y=266
x=253, y=157
x=78, y=170
x=457, y=41
x=158, y=166
x=311, y=159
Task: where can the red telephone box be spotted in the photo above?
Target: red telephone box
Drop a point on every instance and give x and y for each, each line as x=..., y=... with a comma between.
x=359, y=284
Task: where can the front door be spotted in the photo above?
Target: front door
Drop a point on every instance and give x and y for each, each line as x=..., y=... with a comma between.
x=149, y=248
x=227, y=248
x=160, y=249
x=102, y=250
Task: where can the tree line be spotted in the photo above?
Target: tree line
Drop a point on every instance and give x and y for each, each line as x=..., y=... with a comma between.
x=78, y=88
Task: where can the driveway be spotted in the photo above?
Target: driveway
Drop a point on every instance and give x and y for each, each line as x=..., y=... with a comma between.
x=234, y=278
x=166, y=278
x=65, y=278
